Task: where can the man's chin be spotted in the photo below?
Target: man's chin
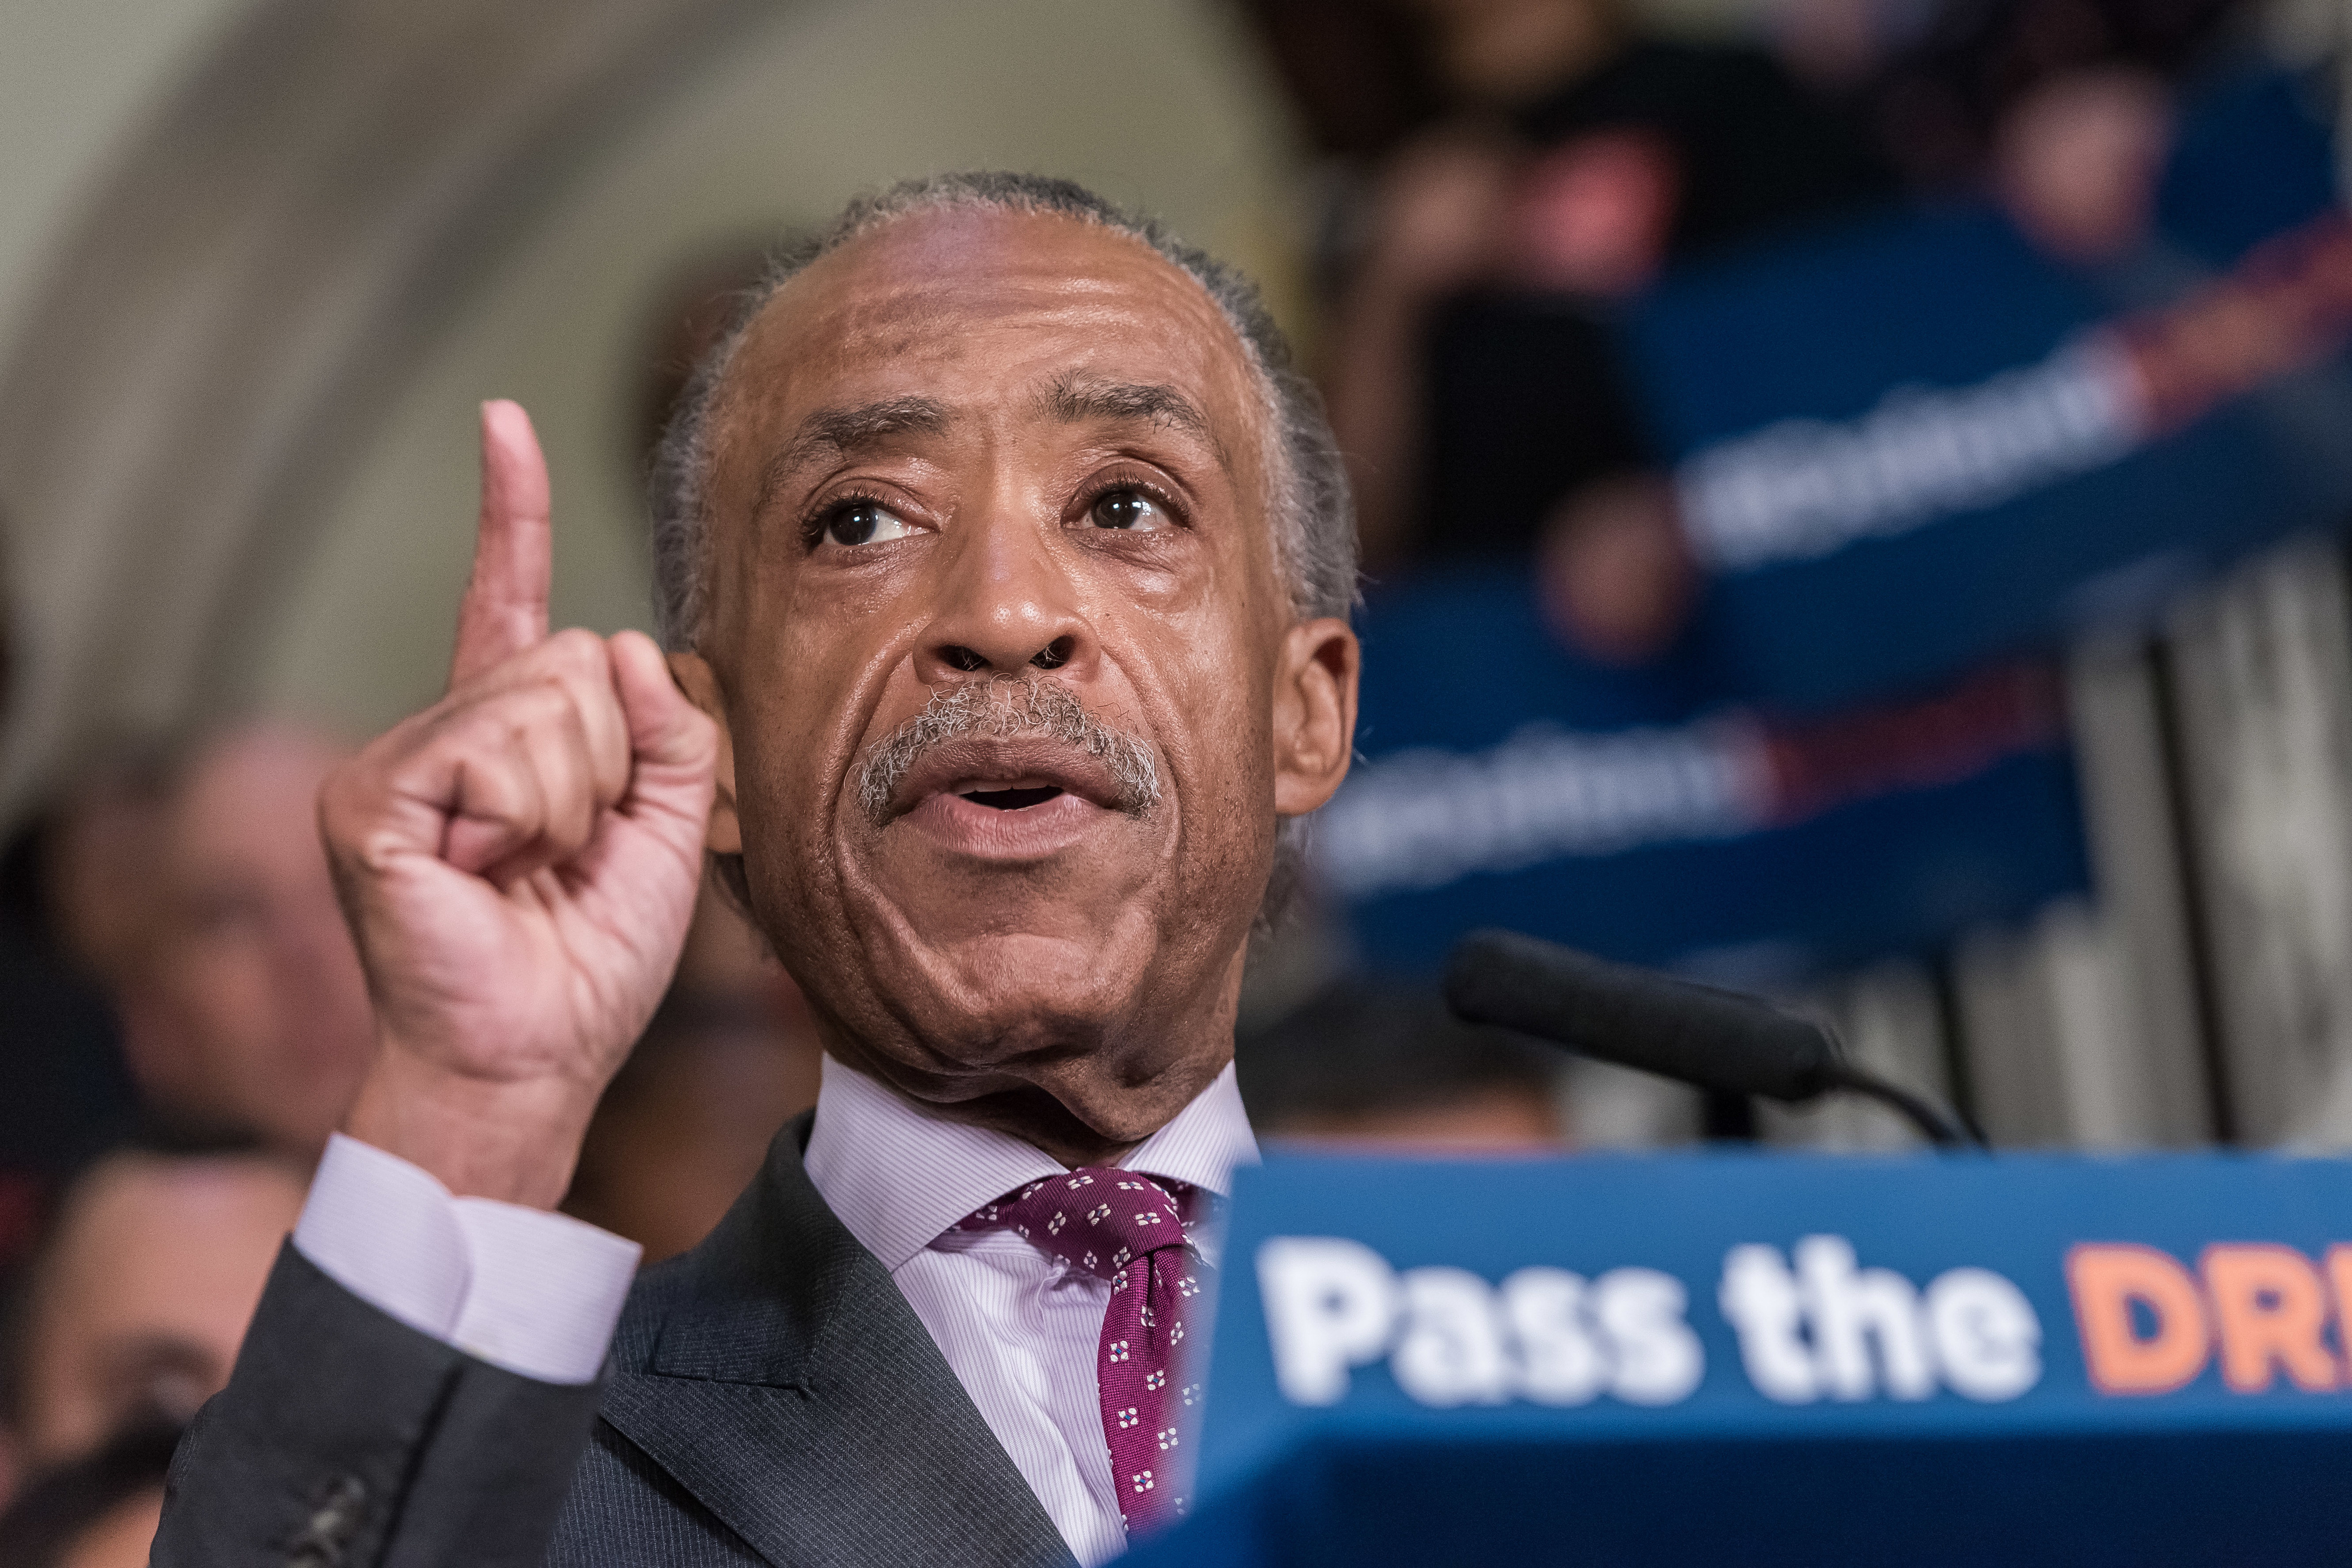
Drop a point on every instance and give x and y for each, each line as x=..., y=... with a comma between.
x=1049, y=982
x=1009, y=985
x=1078, y=1112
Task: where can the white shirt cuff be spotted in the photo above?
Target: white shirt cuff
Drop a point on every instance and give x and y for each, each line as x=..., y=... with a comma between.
x=533, y=1292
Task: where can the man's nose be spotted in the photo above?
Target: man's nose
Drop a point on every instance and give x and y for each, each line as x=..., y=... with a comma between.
x=1008, y=605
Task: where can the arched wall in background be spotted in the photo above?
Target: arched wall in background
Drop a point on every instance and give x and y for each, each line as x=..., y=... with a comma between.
x=236, y=432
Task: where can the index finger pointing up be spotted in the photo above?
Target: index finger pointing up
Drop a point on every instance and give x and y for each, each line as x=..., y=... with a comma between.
x=505, y=608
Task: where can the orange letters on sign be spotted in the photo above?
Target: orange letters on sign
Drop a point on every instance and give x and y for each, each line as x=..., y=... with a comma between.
x=2272, y=1309
x=2339, y=1279
x=2104, y=1279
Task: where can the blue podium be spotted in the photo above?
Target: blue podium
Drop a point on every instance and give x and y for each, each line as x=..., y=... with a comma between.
x=1740, y=1359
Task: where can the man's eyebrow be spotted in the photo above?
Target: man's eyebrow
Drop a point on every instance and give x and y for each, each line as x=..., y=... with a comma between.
x=1074, y=399
x=846, y=432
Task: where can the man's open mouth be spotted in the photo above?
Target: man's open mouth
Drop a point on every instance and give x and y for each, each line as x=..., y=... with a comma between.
x=984, y=799
x=1012, y=799
x=1011, y=747
x=1009, y=777
x=988, y=807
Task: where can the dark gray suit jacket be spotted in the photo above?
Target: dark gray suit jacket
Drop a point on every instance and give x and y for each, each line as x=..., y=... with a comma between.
x=771, y=1399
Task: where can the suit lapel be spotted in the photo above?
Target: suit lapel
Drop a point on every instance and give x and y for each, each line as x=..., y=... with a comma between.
x=777, y=1374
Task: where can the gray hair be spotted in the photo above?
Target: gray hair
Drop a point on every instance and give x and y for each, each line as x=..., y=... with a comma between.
x=1312, y=514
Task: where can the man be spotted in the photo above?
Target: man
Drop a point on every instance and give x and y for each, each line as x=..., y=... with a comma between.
x=246, y=1008
x=63, y=1091
x=687, y=1121
x=1002, y=560
x=138, y=1296
x=98, y=1512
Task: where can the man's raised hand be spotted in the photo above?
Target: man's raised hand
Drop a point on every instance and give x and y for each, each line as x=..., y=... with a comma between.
x=518, y=863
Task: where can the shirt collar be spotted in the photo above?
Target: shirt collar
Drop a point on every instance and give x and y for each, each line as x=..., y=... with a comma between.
x=898, y=1176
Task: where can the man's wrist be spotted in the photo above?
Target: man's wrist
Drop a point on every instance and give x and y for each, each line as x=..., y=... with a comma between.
x=514, y=1142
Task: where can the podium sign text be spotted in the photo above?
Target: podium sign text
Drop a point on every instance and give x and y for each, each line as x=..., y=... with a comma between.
x=1781, y=1359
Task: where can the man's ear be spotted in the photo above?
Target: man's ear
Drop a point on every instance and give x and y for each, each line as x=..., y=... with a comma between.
x=700, y=683
x=1314, y=713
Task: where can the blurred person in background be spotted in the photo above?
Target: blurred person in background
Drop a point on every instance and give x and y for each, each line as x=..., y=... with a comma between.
x=1841, y=49
x=138, y=1296
x=64, y=1094
x=692, y=305
x=731, y=1056
x=89, y=859
x=247, y=1008
x=1553, y=162
x=2061, y=109
x=98, y=1512
x=1471, y=379
x=1370, y=1064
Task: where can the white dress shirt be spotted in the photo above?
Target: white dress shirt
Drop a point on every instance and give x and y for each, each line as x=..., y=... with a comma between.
x=539, y=1293
x=1019, y=1328
x=534, y=1292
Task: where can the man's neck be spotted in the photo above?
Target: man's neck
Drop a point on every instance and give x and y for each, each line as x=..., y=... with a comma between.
x=1089, y=1103
x=1032, y=1115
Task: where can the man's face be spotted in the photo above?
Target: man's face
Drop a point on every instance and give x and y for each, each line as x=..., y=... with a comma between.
x=143, y=1300
x=253, y=1009
x=974, y=446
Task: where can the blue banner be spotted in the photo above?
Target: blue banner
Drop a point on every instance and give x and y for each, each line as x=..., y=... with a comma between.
x=1921, y=444
x=1506, y=780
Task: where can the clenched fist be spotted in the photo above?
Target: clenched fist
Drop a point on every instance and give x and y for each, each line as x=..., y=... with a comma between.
x=518, y=863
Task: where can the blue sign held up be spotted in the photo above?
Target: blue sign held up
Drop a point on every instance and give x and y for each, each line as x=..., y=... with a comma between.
x=1909, y=451
x=1509, y=782
x=1920, y=444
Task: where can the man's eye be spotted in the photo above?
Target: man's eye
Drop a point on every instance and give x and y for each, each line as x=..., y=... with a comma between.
x=865, y=522
x=1130, y=509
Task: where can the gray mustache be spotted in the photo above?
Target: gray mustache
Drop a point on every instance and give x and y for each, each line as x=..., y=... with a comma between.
x=1002, y=708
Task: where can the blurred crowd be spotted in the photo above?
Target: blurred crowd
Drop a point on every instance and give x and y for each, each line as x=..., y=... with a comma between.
x=185, y=1017
x=187, y=1020
x=1503, y=177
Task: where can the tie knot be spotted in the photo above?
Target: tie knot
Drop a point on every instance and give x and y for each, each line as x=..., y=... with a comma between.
x=1096, y=1217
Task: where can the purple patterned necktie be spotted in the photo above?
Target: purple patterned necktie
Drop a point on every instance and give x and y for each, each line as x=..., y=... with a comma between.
x=1127, y=1228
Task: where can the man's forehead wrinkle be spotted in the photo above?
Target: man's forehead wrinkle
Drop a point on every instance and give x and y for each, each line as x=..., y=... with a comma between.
x=847, y=430
x=1075, y=398
x=920, y=285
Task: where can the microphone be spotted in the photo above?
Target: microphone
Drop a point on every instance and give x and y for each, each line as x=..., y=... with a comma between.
x=1656, y=1024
